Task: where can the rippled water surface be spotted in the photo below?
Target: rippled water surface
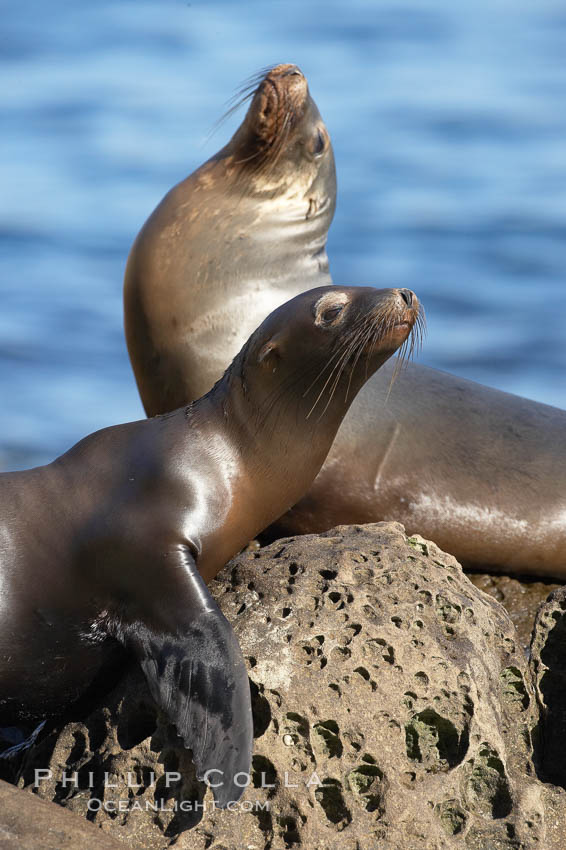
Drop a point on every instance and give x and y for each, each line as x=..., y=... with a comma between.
x=449, y=128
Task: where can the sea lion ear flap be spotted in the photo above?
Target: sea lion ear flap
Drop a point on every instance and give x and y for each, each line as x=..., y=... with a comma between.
x=269, y=352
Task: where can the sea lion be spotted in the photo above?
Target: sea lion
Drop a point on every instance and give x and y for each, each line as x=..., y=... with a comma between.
x=262, y=205
x=110, y=545
x=479, y=471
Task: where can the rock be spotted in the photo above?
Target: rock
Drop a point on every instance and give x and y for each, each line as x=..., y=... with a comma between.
x=521, y=598
x=548, y=665
x=393, y=708
x=27, y=823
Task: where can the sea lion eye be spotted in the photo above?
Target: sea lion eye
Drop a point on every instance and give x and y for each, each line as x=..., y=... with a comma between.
x=332, y=312
x=329, y=308
x=319, y=143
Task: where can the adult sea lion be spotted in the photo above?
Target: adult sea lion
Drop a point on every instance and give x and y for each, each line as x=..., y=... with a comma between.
x=479, y=471
x=112, y=543
x=261, y=206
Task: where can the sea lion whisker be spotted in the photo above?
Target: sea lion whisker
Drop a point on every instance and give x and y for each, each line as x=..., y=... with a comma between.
x=404, y=354
x=347, y=356
x=283, y=135
x=267, y=167
x=337, y=366
x=266, y=410
x=370, y=346
x=248, y=158
x=421, y=327
x=283, y=388
x=373, y=340
x=359, y=349
x=245, y=91
x=336, y=355
x=250, y=83
x=337, y=378
x=231, y=110
x=277, y=390
x=253, y=81
x=415, y=340
x=331, y=393
x=339, y=351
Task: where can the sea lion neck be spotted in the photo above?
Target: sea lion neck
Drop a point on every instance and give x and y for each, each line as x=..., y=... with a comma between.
x=266, y=421
x=279, y=453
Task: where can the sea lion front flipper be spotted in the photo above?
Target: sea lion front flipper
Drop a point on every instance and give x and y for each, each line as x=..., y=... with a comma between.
x=196, y=673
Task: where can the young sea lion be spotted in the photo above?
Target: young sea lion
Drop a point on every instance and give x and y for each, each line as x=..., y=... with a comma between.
x=480, y=472
x=113, y=542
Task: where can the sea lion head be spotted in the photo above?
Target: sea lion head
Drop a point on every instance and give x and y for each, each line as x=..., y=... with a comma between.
x=282, y=145
x=321, y=346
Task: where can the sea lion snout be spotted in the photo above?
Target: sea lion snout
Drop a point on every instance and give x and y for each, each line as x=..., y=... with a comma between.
x=408, y=307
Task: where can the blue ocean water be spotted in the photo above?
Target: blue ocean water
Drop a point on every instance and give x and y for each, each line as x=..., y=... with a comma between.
x=449, y=130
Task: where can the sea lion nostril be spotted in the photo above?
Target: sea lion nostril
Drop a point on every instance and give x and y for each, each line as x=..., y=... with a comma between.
x=293, y=71
x=407, y=296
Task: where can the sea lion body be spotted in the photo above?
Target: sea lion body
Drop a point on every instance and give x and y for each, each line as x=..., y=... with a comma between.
x=479, y=471
x=110, y=546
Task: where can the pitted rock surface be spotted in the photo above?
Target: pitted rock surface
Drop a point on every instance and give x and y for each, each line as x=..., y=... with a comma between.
x=548, y=664
x=393, y=709
x=521, y=598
